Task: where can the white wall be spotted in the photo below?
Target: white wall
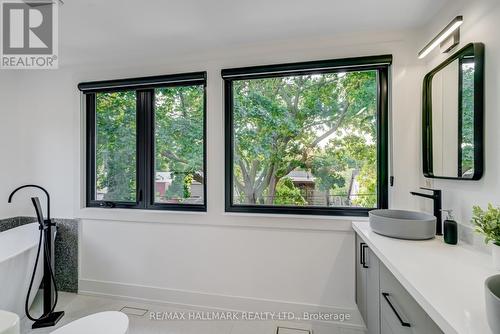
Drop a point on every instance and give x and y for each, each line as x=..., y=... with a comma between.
x=16, y=150
x=445, y=121
x=481, y=24
x=36, y=132
x=204, y=258
x=8, y=109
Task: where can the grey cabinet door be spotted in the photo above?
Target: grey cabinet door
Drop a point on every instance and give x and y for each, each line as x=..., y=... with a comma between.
x=367, y=286
x=360, y=279
x=399, y=312
x=372, y=318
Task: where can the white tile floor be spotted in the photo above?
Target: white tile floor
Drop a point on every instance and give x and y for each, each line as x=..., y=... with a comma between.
x=78, y=306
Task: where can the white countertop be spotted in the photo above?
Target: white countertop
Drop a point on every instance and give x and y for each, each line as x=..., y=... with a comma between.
x=447, y=281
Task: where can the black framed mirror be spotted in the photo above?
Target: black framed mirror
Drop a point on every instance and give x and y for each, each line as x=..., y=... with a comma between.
x=453, y=113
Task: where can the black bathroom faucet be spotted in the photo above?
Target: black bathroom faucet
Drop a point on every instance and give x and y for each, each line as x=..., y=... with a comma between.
x=437, y=199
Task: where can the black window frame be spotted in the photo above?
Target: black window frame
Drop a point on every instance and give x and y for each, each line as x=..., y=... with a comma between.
x=381, y=64
x=145, y=138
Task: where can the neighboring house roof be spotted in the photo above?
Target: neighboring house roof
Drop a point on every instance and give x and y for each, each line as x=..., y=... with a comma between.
x=166, y=177
x=301, y=176
x=163, y=176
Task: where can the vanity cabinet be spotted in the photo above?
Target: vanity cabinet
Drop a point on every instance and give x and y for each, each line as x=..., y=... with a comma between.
x=384, y=304
x=367, y=286
x=399, y=312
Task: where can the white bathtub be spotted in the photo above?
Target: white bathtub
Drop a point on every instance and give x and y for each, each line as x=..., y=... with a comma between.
x=18, y=248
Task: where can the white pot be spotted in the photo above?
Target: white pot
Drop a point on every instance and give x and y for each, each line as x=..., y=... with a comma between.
x=496, y=256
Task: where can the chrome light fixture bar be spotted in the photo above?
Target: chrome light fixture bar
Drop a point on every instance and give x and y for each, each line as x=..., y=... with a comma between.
x=442, y=36
x=42, y=2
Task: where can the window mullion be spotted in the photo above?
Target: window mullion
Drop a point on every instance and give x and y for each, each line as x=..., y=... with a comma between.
x=144, y=106
x=149, y=162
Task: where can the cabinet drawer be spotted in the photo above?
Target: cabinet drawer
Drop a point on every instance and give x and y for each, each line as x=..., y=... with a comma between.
x=399, y=312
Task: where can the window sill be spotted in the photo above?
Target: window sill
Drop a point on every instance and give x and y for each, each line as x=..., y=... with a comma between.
x=296, y=216
x=224, y=219
x=132, y=214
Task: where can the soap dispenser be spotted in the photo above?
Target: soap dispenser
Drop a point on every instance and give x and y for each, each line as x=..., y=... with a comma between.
x=450, y=228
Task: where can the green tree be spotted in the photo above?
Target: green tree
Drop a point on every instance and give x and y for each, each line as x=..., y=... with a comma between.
x=178, y=141
x=357, y=153
x=179, y=135
x=176, y=188
x=281, y=124
x=115, y=146
x=288, y=194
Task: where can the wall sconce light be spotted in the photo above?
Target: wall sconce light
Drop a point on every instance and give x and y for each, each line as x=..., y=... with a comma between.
x=450, y=32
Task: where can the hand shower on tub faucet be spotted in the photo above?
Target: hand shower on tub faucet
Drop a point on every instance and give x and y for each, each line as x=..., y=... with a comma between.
x=39, y=214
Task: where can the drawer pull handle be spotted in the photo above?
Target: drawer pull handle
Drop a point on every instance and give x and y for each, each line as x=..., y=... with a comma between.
x=361, y=252
x=386, y=297
x=363, y=255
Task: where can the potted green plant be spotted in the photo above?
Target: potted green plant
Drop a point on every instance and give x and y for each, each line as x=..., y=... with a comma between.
x=487, y=222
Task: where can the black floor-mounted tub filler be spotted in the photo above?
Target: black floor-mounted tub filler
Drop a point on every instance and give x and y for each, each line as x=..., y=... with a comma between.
x=49, y=317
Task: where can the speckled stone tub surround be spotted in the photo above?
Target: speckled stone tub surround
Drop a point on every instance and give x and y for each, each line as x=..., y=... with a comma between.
x=66, y=249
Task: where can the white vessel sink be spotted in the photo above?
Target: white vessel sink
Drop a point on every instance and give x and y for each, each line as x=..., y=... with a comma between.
x=402, y=224
x=492, y=289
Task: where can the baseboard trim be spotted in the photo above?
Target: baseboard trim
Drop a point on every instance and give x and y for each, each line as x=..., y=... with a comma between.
x=212, y=302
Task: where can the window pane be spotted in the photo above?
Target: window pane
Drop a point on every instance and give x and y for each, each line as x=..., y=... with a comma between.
x=116, y=146
x=179, y=133
x=308, y=140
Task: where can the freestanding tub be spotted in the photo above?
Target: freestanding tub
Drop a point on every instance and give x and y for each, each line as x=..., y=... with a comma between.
x=18, y=248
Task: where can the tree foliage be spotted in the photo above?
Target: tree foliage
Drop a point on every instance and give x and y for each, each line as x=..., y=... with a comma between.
x=115, y=146
x=296, y=123
x=178, y=141
x=179, y=137
x=288, y=194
